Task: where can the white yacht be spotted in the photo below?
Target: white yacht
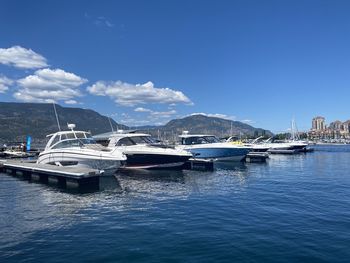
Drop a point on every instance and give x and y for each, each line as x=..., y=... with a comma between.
x=210, y=147
x=254, y=145
x=143, y=152
x=67, y=148
x=295, y=142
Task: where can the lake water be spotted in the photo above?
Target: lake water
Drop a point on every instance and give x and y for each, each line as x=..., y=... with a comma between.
x=291, y=209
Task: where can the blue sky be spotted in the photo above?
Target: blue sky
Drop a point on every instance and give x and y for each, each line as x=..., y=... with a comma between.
x=146, y=62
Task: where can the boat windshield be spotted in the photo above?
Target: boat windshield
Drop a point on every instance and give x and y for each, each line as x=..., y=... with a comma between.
x=211, y=139
x=199, y=140
x=142, y=140
x=128, y=141
x=73, y=143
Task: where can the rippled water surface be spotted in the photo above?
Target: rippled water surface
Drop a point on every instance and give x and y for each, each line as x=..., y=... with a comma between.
x=293, y=208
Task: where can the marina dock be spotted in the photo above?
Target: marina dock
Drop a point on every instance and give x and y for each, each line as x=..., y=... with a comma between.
x=256, y=157
x=60, y=176
x=199, y=165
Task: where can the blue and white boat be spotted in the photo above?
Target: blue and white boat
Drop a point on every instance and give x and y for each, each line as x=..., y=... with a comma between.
x=210, y=147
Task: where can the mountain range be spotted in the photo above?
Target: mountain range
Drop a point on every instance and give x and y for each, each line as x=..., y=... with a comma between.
x=202, y=124
x=17, y=120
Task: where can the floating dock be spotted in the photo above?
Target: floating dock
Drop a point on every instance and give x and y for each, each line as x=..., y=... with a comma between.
x=199, y=165
x=256, y=157
x=60, y=176
x=283, y=151
x=307, y=150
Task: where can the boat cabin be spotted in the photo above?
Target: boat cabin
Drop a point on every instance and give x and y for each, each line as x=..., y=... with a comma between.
x=67, y=139
x=198, y=139
x=128, y=140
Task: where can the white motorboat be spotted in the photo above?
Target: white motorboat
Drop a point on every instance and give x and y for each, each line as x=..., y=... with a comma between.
x=144, y=153
x=67, y=148
x=254, y=145
x=210, y=147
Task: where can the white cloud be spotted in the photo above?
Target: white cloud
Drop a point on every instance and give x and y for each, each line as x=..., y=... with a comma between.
x=140, y=109
x=102, y=21
x=131, y=122
x=48, y=85
x=135, y=122
x=216, y=115
x=163, y=114
x=99, y=20
x=248, y=121
x=156, y=114
x=152, y=118
x=127, y=94
x=5, y=83
x=71, y=102
x=223, y=116
x=20, y=57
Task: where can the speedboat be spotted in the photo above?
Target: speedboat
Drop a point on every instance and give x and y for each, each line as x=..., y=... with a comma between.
x=78, y=148
x=210, y=147
x=254, y=145
x=297, y=144
x=143, y=152
x=291, y=145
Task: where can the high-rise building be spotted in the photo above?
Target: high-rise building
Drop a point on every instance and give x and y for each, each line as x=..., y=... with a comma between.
x=336, y=125
x=318, y=124
x=346, y=126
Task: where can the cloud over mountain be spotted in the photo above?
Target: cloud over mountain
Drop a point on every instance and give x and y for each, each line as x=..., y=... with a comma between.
x=217, y=115
x=5, y=83
x=20, y=57
x=127, y=94
x=47, y=85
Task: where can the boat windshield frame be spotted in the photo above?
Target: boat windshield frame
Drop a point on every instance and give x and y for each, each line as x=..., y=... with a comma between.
x=135, y=140
x=195, y=140
x=70, y=139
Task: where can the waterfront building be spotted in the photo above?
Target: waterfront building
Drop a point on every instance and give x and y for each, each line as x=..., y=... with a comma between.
x=346, y=126
x=336, y=125
x=318, y=124
x=337, y=130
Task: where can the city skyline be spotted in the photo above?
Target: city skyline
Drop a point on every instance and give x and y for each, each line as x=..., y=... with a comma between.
x=335, y=130
x=146, y=62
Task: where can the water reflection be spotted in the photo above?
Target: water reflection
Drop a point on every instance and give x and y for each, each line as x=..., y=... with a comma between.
x=31, y=207
x=153, y=175
x=153, y=184
x=152, y=211
x=232, y=166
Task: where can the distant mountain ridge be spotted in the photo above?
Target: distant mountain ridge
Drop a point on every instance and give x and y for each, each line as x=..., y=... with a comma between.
x=17, y=120
x=202, y=124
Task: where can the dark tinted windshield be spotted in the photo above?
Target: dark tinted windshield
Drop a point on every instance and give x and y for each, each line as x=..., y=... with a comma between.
x=125, y=142
x=142, y=140
x=199, y=140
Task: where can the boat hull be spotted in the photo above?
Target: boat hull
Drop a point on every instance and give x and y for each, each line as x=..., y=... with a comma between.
x=64, y=158
x=219, y=154
x=298, y=147
x=288, y=146
x=155, y=161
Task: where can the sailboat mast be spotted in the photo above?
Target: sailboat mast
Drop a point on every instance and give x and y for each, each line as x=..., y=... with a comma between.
x=58, y=123
x=110, y=123
x=294, y=131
